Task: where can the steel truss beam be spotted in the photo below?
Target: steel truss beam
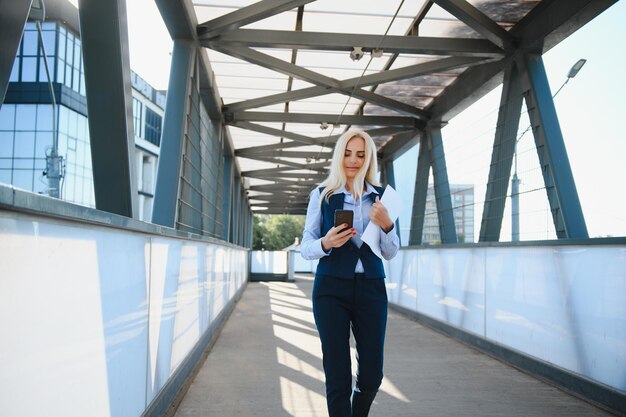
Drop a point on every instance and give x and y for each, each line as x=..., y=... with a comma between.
x=567, y=213
x=278, y=132
x=332, y=84
x=502, y=155
x=447, y=229
x=246, y=15
x=350, y=119
x=410, y=71
x=278, y=177
x=420, y=192
x=174, y=128
x=276, y=171
x=431, y=155
x=104, y=38
x=325, y=41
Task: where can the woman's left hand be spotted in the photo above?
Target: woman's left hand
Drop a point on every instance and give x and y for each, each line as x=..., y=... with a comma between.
x=380, y=216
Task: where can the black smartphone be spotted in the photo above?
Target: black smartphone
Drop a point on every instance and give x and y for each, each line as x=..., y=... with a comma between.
x=344, y=216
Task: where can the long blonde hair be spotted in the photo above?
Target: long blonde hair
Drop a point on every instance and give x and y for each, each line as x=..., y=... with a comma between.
x=337, y=176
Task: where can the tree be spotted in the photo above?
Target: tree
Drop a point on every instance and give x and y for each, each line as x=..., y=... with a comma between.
x=275, y=232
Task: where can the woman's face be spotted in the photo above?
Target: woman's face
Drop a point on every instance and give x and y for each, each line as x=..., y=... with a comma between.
x=353, y=157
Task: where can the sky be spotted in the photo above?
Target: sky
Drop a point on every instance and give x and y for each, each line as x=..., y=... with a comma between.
x=591, y=109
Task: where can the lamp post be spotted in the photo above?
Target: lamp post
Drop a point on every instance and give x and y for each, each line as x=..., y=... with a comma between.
x=515, y=181
x=54, y=161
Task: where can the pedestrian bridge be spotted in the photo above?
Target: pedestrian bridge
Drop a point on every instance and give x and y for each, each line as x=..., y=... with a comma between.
x=146, y=299
x=122, y=318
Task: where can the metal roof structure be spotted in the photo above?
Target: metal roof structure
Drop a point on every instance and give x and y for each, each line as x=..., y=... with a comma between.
x=293, y=75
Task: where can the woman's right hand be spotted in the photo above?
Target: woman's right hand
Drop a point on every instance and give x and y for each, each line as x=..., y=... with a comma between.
x=336, y=238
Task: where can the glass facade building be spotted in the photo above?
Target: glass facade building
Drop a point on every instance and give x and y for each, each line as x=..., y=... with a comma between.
x=27, y=128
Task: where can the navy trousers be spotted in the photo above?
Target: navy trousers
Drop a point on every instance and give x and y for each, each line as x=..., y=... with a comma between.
x=360, y=304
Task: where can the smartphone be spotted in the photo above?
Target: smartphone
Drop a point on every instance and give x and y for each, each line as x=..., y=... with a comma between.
x=344, y=216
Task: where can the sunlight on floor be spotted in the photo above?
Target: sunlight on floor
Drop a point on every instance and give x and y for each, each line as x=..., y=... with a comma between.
x=293, y=323
x=300, y=401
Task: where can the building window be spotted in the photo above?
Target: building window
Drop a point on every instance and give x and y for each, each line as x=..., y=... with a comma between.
x=153, y=127
x=137, y=117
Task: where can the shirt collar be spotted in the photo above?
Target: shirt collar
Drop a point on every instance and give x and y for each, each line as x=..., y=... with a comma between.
x=369, y=188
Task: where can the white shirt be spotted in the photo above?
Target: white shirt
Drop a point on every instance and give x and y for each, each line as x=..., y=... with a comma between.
x=312, y=240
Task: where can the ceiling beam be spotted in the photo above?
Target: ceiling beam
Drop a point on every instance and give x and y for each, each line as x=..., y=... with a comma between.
x=285, y=175
x=287, y=185
x=277, y=132
x=267, y=148
x=325, y=41
x=352, y=119
x=295, y=154
x=275, y=64
x=410, y=71
x=318, y=166
x=246, y=15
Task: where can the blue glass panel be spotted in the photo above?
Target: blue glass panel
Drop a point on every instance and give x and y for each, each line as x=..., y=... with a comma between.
x=73, y=124
x=68, y=187
x=30, y=43
x=62, y=144
x=62, y=41
x=43, y=144
x=77, y=54
x=6, y=144
x=81, y=131
x=76, y=81
x=7, y=117
x=49, y=42
x=43, y=76
x=5, y=176
x=29, y=69
x=69, y=48
x=68, y=76
x=24, y=163
x=63, y=119
x=24, y=145
x=25, y=115
x=23, y=179
x=60, y=70
x=49, y=25
x=44, y=117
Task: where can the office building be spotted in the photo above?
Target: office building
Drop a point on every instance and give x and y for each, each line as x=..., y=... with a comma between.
x=27, y=128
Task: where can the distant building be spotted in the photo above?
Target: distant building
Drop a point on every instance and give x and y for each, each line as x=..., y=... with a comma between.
x=462, y=196
x=26, y=126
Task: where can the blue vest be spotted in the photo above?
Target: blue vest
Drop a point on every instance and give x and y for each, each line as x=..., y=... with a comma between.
x=342, y=261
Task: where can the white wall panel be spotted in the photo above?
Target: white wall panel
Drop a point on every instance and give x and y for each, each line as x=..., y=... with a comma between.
x=447, y=289
x=95, y=320
x=268, y=262
x=403, y=289
x=72, y=318
x=565, y=305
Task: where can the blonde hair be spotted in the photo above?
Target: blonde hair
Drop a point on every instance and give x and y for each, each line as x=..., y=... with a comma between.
x=337, y=176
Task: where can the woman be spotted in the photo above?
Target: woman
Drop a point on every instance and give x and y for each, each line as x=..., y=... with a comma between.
x=349, y=288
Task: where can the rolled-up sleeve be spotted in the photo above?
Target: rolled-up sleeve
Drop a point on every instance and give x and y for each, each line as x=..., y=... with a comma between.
x=311, y=247
x=389, y=243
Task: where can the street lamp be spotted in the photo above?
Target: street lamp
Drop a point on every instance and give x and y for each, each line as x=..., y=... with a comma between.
x=515, y=181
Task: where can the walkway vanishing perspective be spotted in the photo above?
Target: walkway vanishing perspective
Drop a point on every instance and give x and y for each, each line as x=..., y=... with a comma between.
x=267, y=363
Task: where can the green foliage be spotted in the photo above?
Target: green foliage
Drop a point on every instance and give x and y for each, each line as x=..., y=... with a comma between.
x=276, y=231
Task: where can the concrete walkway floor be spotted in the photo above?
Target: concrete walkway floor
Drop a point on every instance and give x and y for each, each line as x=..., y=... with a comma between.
x=267, y=363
